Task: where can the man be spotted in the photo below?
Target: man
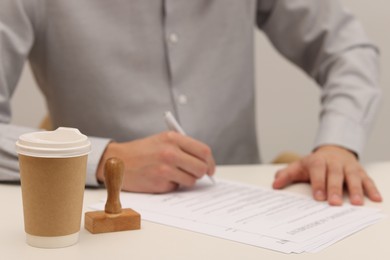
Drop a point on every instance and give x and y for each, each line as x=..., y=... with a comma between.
x=111, y=69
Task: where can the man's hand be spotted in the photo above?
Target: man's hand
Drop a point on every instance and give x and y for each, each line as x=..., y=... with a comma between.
x=160, y=163
x=328, y=169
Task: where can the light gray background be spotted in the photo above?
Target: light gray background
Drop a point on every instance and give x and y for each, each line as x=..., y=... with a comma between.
x=288, y=101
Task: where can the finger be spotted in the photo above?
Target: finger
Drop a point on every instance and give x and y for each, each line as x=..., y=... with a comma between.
x=292, y=173
x=165, y=178
x=177, y=159
x=316, y=166
x=371, y=190
x=355, y=185
x=335, y=183
x=211, y=166
x=152, y=180
x=162, y=188
x=195, y=149
x=179, y=177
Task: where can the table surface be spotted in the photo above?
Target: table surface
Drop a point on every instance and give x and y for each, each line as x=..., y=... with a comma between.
x=155, y=241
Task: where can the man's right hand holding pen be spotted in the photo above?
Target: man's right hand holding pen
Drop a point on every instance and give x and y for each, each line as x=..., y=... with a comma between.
x=160, y=163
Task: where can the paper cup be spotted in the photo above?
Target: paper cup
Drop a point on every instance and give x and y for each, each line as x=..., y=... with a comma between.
x=52, y=172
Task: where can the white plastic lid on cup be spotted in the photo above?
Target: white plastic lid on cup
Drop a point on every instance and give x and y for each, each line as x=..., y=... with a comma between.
x=61, y=143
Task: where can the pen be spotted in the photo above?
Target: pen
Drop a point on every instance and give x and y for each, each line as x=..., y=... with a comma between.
x=173, y=125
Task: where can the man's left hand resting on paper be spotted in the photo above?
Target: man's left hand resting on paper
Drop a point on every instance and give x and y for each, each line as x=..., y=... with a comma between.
x=328, y=169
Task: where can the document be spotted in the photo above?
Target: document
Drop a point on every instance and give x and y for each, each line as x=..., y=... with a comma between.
x=273, y=219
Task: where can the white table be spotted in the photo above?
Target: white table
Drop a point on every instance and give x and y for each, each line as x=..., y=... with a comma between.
x=156, y=241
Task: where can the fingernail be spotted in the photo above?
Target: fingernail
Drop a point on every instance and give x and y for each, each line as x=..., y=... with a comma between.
x=335, y=199
x=357, y=199
x=319, y=195
x=377, y=197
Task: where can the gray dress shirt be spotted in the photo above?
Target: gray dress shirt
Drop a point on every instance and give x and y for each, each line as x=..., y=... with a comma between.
x=111, y=69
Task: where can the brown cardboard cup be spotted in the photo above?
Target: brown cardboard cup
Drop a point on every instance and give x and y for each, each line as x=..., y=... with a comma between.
x=52, y=171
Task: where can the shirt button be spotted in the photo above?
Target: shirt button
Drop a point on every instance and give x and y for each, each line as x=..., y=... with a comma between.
x=182, y=99
x=173, y=38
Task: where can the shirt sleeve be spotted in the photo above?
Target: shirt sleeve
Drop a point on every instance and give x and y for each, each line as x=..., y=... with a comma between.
x=98, y=146
x=16, y=39
x=17, y=25
x=330, y=45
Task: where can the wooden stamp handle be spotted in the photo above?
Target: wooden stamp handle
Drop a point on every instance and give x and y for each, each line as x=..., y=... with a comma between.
x=113, y=176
